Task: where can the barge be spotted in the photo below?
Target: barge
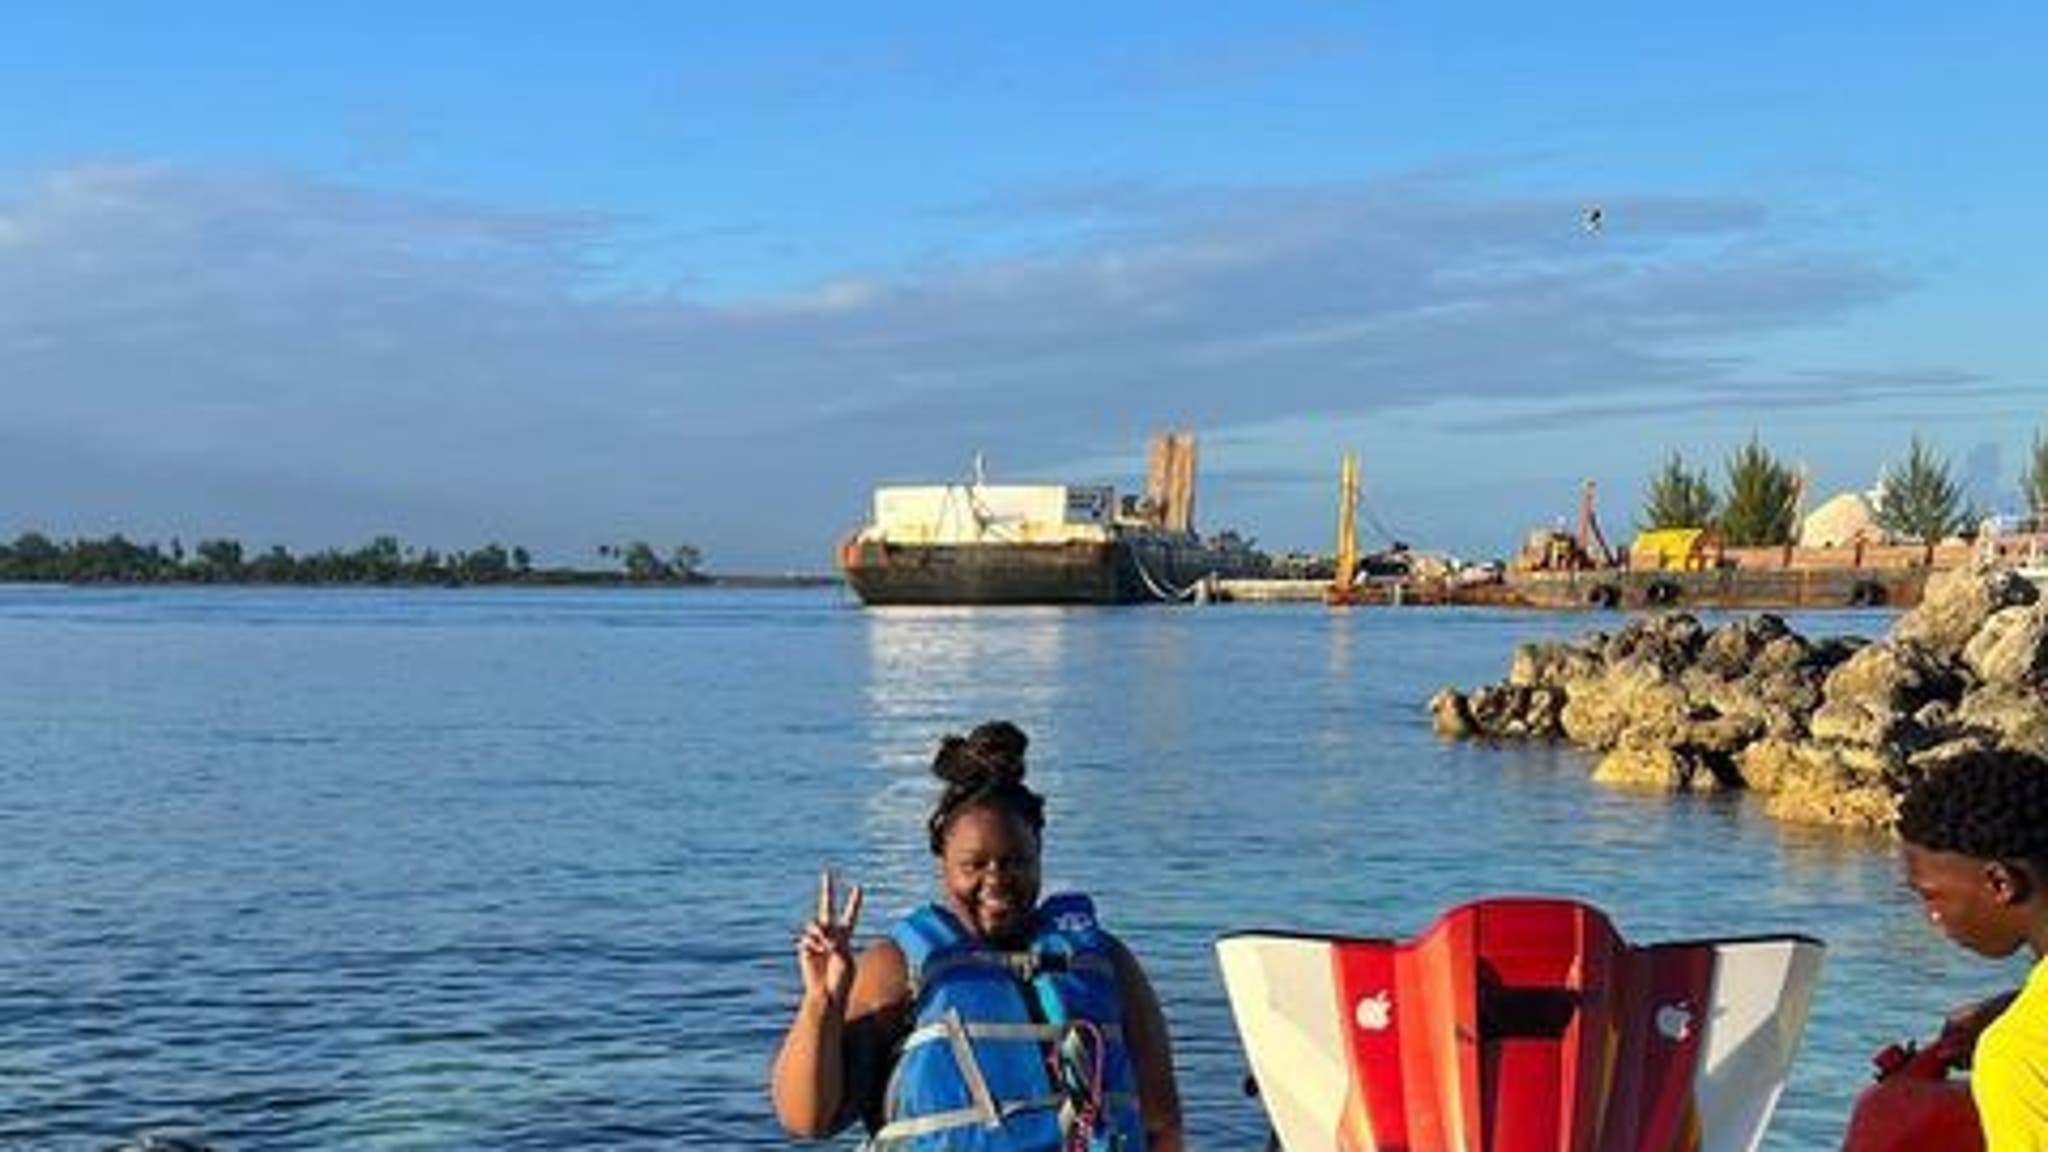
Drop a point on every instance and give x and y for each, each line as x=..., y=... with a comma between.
x=979, y=543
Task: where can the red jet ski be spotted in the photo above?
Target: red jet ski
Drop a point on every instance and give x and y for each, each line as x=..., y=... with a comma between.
x=1518, y=1025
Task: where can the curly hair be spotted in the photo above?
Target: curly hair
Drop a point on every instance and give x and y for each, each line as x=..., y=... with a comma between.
x=1990, y=804
x=983, y=768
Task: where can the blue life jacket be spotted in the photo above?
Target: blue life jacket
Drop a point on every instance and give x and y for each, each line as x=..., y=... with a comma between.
x=1012, y=1051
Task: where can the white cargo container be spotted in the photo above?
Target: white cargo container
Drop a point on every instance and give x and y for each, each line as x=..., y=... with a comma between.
x=992, y=513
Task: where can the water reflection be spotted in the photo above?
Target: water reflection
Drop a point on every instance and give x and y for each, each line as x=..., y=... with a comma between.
x=931, y=671
x=1339, y=626
x=1155, y=696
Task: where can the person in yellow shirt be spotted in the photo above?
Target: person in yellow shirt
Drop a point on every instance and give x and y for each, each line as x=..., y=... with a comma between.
x=1975, y=835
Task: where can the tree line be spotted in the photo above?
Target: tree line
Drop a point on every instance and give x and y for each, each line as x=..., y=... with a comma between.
x=1758, y=504
x=34, y=557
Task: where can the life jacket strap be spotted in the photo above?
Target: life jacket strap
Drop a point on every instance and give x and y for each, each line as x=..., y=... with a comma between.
x=970, y=1068
x=1023, y=1033
x=1024, y=967
x=900, y=1132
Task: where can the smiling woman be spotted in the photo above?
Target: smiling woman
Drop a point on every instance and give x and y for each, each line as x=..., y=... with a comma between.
x=988, y=1019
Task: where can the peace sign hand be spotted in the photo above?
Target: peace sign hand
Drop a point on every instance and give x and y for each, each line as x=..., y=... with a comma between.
x=824, y=953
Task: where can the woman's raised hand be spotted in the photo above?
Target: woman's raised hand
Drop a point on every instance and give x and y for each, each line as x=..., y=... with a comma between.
x=824, y=953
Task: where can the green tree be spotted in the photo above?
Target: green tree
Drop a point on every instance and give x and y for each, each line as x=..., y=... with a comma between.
x=34, y=557
x=687, y=562
x=1916, y=498
x=2034, y=480
x=381, y=561
x=426, y=567
x=641, y=562
x=487, y=565
x=114, y=560
x=276, y=566
x=1762, y=501
x=219, y=560
x=1679, y=497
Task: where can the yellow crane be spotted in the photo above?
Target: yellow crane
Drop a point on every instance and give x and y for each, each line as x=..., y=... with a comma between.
x=1342, y=584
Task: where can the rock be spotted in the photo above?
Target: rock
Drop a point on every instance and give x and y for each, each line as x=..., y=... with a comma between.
x=1765, y=762
x=1497, y=710
x=1552, y=664
x=1882, y=765
x=1665, y=768
x=1827, y=653
x=1545, y=712
x=1935, y=757
x=1731, y=651
x=1891, y=676
x=1789, y=698
x=2016, y=717
x=1634, y=693
x=1784, y=654
x=2011, y=648
x=1449, y=715
x=1493, y=708
x=1669, y=641
x=1780, y=702
x=1721, y=736
x=1531, y=662
x=1936, y=716
x=1816, y=795
x=1811, y=782
x=1956, y=603
x=1592, y=720
x=1833, y=730
x=1866, y=723
x=1663, y=713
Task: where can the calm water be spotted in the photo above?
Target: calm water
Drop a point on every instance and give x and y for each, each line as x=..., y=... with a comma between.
x=433, y=869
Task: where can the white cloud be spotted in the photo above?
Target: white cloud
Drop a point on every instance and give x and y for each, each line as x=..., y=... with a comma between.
x=256, y=354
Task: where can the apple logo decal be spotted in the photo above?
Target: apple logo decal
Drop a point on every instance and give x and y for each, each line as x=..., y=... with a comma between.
x=1375, y=1013
x=1674, y=1022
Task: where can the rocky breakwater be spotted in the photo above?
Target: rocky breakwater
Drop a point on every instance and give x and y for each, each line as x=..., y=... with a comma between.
x=1831, y=730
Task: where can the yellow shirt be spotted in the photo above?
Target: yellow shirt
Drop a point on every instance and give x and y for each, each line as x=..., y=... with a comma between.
x=2009, y=1071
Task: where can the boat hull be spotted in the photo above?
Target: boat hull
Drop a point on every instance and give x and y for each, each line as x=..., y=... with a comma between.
x=1129, y=570
x=1731, y=588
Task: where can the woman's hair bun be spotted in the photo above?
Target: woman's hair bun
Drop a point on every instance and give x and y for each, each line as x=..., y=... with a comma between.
x=992, y=754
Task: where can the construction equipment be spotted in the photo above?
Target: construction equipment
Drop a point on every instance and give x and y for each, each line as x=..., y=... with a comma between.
x=1553, y=550
x=1343, y=583
x=1592, y=541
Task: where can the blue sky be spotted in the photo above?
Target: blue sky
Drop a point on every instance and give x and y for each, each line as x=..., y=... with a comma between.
x=572, y=274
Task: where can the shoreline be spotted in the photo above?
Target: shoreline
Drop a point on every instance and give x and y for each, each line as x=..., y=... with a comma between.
x=539, y=580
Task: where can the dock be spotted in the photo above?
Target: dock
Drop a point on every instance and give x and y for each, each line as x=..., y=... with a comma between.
x=1618, y=588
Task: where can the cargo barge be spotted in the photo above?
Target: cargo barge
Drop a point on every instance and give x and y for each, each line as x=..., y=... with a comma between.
x=1751, y=588
x=1125, y=568
x=981, y=543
